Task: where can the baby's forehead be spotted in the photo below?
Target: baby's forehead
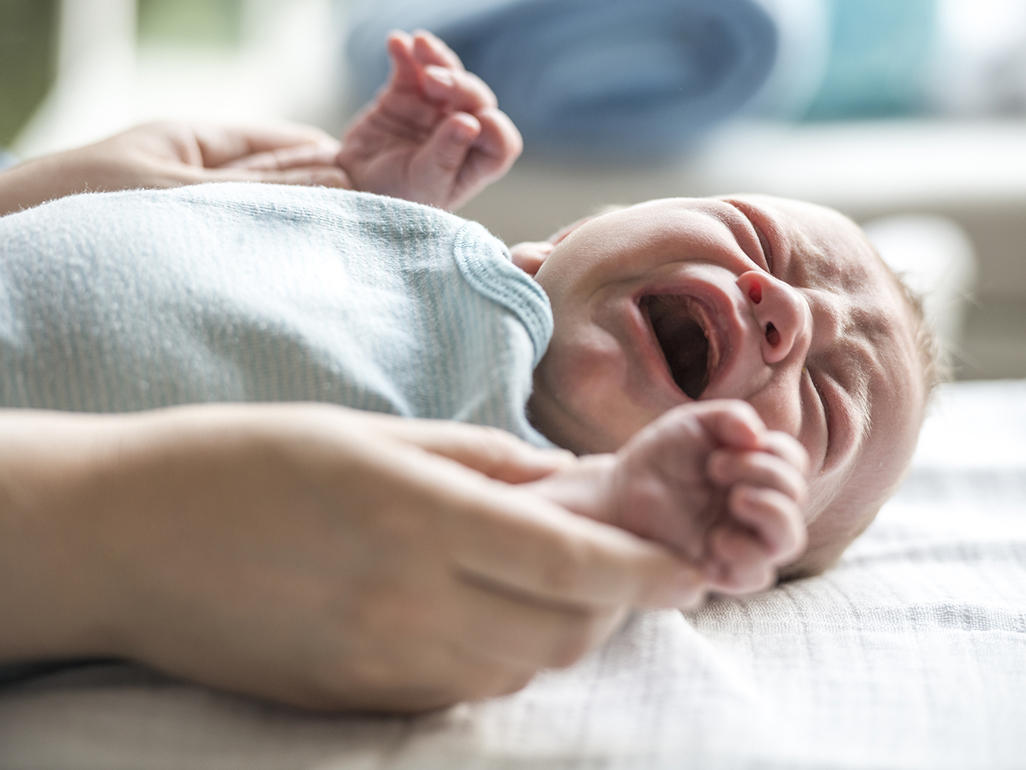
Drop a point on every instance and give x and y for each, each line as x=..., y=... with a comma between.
x=835, y=252
x=831, y=253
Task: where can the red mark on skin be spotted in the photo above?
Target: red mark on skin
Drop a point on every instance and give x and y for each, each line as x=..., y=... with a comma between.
x=755, y=293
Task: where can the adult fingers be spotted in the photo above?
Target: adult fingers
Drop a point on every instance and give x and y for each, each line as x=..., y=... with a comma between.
x=314, y=176
x=516, y=540
x=221, y=145
x=512, y=538
x=529, y=635
x=496, y=453
x=300, y=155
x=442, y=675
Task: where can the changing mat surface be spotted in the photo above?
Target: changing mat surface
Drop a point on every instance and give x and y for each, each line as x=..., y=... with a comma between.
x=911, y=653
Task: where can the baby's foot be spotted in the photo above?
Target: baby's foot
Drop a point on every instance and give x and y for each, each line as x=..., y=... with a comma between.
x=711, y=482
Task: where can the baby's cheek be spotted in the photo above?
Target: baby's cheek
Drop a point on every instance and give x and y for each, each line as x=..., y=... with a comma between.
x=779, y=409
x=834, y=520
x=823, y=506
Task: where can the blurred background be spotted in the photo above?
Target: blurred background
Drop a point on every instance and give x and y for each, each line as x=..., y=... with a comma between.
x=910, y=115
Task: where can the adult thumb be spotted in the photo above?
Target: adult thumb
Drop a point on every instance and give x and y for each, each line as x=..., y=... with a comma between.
x=495, y=453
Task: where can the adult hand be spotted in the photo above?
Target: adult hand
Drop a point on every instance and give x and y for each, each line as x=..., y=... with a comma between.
x=310, y=554
x=169, y=154
x=434, y=134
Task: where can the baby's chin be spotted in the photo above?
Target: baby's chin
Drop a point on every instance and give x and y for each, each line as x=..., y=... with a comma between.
x=585, y=426
x=567, y=433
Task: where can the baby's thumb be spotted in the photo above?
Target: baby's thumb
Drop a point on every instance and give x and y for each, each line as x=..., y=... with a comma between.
x=439, y=160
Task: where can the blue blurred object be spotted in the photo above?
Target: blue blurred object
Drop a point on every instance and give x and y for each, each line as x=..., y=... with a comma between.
x=880, y=59
x=588, y=77
x=6, y=159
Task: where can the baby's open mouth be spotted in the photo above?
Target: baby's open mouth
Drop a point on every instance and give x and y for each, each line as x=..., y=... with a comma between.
x=682, y=329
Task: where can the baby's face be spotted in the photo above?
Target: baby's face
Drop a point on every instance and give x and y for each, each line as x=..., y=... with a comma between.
x=780, y=303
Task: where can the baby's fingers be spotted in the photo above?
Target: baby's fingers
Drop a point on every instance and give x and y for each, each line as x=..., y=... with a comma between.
x=768, y=532
x=493, y=153
x=457, y=89
x=728, y=422
x=787, y=448
x=775, y=518
x=728, y=467
x=738, y=562
x=436, y=165
x=429, y=49
x=405, y=67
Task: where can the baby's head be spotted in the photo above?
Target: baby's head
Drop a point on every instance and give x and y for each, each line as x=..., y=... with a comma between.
x=780, y=303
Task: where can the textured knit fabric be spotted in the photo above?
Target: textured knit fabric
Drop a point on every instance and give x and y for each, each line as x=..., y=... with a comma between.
x=245, y=292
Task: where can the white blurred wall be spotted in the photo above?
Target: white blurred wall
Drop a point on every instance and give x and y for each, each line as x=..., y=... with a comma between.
x=285, y=68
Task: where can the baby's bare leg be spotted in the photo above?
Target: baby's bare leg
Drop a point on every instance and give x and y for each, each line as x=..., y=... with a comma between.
x=697, y=480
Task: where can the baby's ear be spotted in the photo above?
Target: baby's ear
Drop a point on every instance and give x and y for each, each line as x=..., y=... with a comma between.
x=530, y=255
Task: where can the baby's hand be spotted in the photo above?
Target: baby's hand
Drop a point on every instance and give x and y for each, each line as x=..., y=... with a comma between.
x=710, y=481
x=434, y=134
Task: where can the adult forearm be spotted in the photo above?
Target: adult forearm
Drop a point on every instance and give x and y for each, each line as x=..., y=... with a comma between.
x=52, y=600
x=159, y=155
x=53, y=176
x=290, y=551
x=28, y=184
x=93, y=168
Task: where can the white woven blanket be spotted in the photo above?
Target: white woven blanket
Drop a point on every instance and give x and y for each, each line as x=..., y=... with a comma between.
x=910, y=654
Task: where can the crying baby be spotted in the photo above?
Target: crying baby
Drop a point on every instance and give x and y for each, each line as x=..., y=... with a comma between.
x=740, y=378
x=676, y=319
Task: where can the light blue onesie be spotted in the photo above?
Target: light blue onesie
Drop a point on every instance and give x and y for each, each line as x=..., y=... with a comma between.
x=250, y=292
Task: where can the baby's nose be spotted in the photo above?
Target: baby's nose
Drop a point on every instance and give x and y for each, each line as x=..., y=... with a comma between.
x=781, y=313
